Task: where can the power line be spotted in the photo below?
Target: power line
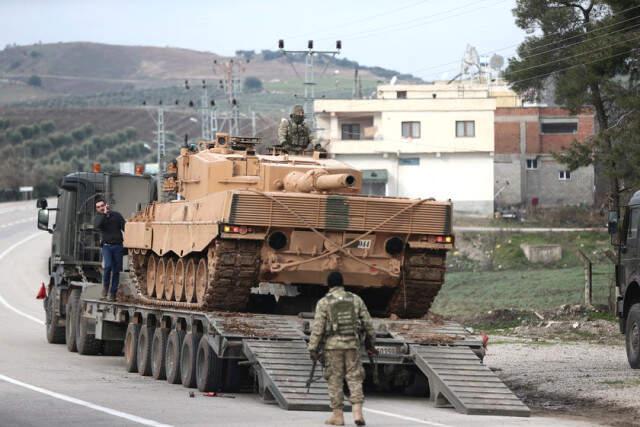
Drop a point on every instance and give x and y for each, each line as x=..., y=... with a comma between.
x=420, y=21
x=538, y=47
x=575, y=56
x=574, y=66
x=367, y=18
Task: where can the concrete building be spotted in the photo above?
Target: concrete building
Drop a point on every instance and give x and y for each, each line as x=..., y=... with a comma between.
x=434, y=140
x=526, y=173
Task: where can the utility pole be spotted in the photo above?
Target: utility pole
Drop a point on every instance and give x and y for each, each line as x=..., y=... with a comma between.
x=160, y=140
x=253, y=123
x=309, y=76
x=204, y=113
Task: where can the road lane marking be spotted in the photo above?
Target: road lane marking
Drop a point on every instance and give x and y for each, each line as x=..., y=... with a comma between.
x=403, y=417
x=115, y=413
x=4, y=301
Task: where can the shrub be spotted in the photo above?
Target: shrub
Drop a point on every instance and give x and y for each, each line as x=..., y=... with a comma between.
x=35, y=81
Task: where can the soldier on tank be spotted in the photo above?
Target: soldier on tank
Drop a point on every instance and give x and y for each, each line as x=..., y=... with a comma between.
x=293, y=134
x=339, y=319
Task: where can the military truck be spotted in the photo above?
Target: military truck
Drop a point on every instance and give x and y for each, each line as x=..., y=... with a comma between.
x=75, y=244
x=623, y=228
x=260, y=349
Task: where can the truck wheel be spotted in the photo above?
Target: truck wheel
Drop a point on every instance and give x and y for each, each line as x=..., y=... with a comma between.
x=172, y=357
x=112, y=348
x=144, y=350
x=188, y=360
x=208, y=367
x=55, y=333
x=87, y=343
x=131, y=347
x=632, y=336
x=158, y=353
x=70, y=321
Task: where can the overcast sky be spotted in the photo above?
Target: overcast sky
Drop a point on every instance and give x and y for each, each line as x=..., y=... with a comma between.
x=423, y=37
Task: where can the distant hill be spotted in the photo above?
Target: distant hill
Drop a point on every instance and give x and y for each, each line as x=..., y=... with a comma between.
x=44, y=71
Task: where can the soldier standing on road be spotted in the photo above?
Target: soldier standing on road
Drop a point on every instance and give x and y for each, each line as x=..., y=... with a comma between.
x=111, y=226
x=339, y=319
x=293, y=134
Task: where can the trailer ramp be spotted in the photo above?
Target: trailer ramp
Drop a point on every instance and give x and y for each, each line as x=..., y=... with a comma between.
x=283, y=368
x=458, y=379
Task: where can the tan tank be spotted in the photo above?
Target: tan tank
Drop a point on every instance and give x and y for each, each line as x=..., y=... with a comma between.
x=245, y=219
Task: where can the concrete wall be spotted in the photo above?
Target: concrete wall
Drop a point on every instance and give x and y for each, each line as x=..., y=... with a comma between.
x=467, y=179
x=551, y=191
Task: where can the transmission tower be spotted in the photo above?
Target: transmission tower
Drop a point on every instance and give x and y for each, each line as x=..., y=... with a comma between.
x=231, y=85
x=309, y=75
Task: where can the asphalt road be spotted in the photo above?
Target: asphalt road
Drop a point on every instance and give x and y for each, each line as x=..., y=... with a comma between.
x=43, y=384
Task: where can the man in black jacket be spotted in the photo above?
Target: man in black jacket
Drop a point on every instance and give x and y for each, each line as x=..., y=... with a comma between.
x=111, y=226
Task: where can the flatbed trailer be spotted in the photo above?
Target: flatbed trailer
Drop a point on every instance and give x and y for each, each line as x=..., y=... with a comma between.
x=266, y=353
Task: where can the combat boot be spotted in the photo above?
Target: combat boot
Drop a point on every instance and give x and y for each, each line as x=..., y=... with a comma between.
x=105, y=291
x=357, y=414
x=336, y=419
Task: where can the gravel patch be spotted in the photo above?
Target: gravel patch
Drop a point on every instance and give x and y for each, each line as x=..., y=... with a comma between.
x=579, y=379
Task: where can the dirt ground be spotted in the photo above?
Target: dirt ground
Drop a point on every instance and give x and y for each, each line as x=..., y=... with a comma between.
x=567, y=362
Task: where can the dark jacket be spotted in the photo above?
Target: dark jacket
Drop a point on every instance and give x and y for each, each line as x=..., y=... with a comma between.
x=111, y=227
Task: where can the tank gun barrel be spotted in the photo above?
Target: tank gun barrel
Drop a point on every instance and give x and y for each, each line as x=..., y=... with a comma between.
x=317, y=180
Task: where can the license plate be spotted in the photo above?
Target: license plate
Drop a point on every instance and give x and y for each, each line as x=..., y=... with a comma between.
x=364, y=244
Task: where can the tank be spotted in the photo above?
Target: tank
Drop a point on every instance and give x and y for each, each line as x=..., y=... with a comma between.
x=248, y=230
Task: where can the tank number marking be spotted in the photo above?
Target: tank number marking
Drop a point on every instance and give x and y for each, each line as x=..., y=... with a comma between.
x=364, y=244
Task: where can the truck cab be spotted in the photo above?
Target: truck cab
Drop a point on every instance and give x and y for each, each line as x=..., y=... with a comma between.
x=625, y=234
x=75, y=243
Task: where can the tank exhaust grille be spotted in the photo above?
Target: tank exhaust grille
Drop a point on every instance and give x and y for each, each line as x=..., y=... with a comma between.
x=340, y=213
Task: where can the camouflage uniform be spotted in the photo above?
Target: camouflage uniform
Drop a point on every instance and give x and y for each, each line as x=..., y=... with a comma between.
x=341, y=344
x=293, y=134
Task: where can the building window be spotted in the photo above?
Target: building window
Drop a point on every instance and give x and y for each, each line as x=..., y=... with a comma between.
x=632, y=233
x=465, y=128
x=532, y=163
x=401, y=94
x=351, y=131
x=409, y=161
x=559, y=127
x=411, y=129
x=564, y=175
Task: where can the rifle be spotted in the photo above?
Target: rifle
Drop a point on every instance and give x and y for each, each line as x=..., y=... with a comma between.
x=312, y=377
x=371, y=353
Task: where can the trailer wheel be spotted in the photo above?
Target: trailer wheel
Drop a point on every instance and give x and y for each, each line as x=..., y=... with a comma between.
x=188, y=360
x=70, y=321
x=632, y=336
x=112, y=348
x=158, y=353
x=208, y=367
x=144, y=350
x=131, y=347
x=87, y=343
x=172, y=356
x=55, y=333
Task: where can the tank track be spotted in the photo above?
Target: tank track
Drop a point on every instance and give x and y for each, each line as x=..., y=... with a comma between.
x=233, y=267
x=422, y=277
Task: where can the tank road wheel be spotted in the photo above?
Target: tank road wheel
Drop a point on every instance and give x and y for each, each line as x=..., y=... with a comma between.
x=172, y=358
x=201, y=280
x=188, y=360
x=179, y=280
x=70, y=321
x=143, y=352
x=151, y=275
x=208, y=367
x=161, y=277
x=170, y=281
x=158, y=353
x=55, y=333
x=632, y=336
x=190, y=280
x=131, y=347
